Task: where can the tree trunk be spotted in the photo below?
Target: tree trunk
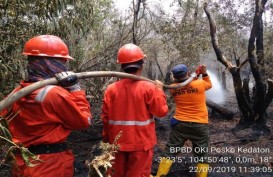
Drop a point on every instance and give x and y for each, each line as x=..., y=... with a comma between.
x=224, y=112
x=224, y=82
x=252, y=107
x=257, y=67
x=136, y=8
x=168, y=73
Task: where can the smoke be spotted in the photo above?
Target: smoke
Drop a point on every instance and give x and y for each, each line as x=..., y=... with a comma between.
x=216, y=93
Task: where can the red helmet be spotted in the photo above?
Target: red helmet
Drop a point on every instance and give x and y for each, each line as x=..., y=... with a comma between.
x=129, y=53
x=48, y=46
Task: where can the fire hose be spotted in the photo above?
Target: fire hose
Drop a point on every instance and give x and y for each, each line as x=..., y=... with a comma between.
x=83, y=75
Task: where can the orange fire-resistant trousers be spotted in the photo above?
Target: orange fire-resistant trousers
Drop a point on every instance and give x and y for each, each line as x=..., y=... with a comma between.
x=133, y=164
x=51, y=165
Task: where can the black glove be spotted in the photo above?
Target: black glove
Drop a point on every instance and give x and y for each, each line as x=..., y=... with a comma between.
x=68, y=80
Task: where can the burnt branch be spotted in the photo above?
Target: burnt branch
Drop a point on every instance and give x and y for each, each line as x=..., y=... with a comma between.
x=159, y=67
x=243, y=63
x=223, y=111
x=136, y=8
x=187, y=11
x=213, y=33
x=237, y=59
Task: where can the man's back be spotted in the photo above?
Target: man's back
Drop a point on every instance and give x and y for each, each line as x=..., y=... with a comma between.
x=129, y=106
x=191, y=101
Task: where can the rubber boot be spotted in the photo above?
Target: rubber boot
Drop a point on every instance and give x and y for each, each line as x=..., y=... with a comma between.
x=164, y=167
x=202, y=170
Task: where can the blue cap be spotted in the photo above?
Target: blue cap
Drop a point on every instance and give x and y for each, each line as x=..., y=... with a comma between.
x=179, y=70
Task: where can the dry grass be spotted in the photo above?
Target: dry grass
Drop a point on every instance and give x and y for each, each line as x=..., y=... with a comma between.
x=101, y=164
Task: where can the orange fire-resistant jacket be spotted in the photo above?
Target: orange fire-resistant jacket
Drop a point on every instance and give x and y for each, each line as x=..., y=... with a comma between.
x=47, y=116
x=190, y=101
x=129, y=106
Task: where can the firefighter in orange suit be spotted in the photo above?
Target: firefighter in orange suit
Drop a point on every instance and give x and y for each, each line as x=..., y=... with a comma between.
x=45, y=117
x=130, y=106
x=190, y=121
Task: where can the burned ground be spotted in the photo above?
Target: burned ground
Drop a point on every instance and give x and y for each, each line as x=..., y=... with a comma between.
x=222, y=135
x=227, y=163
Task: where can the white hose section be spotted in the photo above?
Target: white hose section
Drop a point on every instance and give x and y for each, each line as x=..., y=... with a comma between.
x=53, y=81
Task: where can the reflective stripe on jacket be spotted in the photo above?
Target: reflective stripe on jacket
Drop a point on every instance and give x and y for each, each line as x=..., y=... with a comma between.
x=129, y=106
x=131, y=122
x=48, y=115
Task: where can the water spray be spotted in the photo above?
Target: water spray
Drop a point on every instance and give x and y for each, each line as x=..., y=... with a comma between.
x=216, y=93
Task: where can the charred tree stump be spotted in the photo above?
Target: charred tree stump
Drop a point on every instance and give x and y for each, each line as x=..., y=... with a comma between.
x=224, y=112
